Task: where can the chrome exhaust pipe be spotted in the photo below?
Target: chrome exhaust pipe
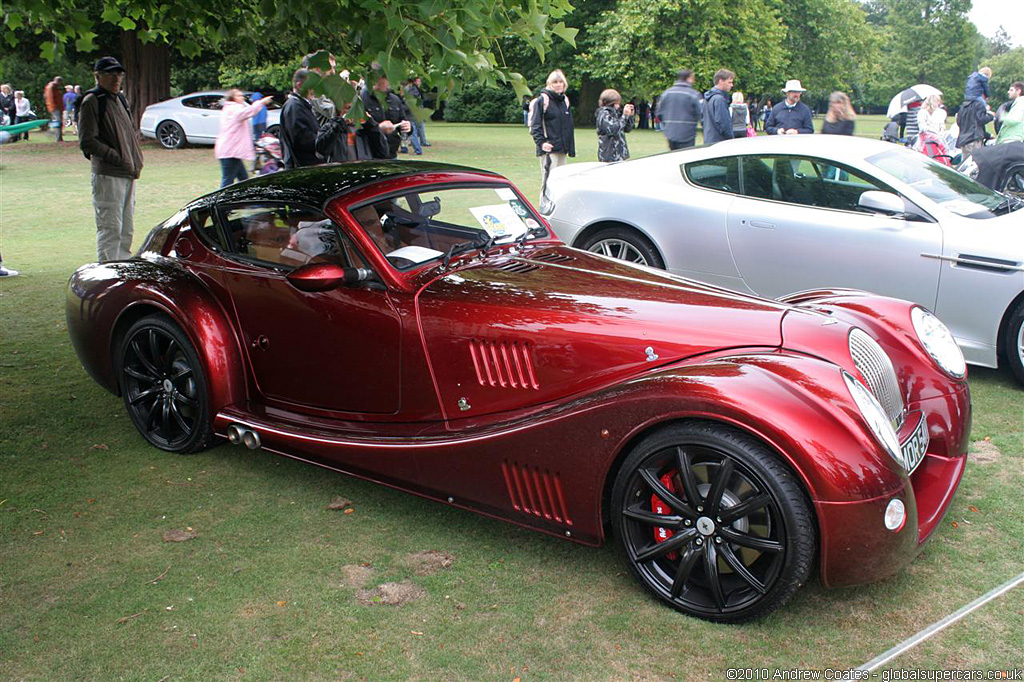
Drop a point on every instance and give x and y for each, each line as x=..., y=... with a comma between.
x=251, y=439
x=235, y=434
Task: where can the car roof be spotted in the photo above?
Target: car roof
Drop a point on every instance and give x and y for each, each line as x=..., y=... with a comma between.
x=316, y=185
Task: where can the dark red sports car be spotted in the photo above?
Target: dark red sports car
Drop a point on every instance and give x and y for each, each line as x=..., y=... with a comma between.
x=419, y=326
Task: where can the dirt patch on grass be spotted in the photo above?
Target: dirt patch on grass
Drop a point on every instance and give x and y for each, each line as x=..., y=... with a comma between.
x=356, y=575
x=391, y=594
x=180, y=535
x=429, y=562
x=986, y=452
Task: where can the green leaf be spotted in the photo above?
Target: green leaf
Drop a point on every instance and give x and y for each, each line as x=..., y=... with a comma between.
x=189, y=48
x=13, y=21
x=111, y=15
x=127, y=24
x=357, y=114
x=85, y=42
x=565, y=32
x=339, y=90
x=321, y=60
x=46, y=50
x=313, y=83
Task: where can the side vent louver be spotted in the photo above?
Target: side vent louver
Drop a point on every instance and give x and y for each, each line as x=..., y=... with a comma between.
x=554, y=257
x=536, y=491
x=504, y=364
x=518, y=266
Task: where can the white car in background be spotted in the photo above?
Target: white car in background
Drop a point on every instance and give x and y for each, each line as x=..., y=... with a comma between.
x=193, y=119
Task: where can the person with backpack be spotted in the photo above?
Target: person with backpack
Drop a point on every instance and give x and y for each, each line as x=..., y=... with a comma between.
x=108, y=137
x=552, y=128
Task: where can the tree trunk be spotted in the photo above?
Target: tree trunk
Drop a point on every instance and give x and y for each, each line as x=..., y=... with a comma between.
x=147, y=72
x=586, y=108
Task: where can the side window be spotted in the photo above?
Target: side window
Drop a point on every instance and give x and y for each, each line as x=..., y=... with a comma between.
x=203, y=223
x=286, y=236
x=804, y=181
x=192, y=102
x=720, y=174
x=215, y=102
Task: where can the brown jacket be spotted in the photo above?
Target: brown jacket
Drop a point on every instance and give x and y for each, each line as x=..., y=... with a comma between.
x=113, y=143
x=53, y=94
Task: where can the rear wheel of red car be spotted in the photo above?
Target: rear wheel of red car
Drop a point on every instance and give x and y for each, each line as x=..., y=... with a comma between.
x=625, y=244
x=1013, y=342
x=712, y=523
x=164, y=387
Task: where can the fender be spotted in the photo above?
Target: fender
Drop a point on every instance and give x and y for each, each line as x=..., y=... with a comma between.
x=103, y=299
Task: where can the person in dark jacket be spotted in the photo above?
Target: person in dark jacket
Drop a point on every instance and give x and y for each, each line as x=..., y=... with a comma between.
x=717, y=119
x=551, y=126
x=790, y=116
x=339, y=140
x=679, y=111
x=840, y=117
x=298, y=125
x=388, y=114
x=109, y=138
x=972, y=118
x=612, y=126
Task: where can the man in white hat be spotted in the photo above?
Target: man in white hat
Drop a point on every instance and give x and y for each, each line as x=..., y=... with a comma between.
x=790, y=116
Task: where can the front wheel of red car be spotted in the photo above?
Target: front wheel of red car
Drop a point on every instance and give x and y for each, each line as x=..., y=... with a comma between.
x=164, y=387
x=712, y=523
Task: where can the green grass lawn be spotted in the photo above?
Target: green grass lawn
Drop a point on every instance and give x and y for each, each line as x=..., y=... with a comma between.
x=272, y=585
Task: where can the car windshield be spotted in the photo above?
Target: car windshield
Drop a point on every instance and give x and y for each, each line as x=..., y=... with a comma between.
x=954, y=191
x=412, y=228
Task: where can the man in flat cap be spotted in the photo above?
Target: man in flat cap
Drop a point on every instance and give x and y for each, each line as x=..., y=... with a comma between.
x=107, y=137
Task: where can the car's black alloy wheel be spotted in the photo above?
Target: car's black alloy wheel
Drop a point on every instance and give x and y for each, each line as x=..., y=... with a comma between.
x=626, y=244
x=712, y=523
x=164, y=387
x=170, y=135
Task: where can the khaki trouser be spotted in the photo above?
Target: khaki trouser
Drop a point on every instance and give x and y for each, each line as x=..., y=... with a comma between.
x=113, y=199
x=549, y=162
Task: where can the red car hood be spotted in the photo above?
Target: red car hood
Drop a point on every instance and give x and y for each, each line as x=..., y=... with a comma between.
x=507, y=332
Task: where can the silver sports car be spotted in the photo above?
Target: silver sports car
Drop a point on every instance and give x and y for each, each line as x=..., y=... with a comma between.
x=193, y=119
x=778, y=215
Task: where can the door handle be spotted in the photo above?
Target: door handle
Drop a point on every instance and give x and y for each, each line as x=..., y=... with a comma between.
x=762, y=224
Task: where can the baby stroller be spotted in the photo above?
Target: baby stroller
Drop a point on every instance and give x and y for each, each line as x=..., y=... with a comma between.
x=933, y=146
x=269, y=158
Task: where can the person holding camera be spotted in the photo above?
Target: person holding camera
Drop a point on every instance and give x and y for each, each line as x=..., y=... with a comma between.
x=385, y=112
x=613, y=122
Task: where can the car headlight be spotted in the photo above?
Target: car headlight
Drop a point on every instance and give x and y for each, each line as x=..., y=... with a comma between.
x=939, y=342
x=876, y=418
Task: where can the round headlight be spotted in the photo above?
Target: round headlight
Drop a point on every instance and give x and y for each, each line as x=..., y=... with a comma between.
x=876, y=418
x=939, y=342
x=895, y=514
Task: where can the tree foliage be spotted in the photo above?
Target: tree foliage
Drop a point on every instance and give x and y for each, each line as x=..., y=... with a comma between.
x=446, y=41
x=639, y=45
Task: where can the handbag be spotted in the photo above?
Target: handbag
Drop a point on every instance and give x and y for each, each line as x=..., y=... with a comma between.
x=750, y=132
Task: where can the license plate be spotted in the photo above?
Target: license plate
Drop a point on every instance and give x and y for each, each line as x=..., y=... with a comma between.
x=913, y=448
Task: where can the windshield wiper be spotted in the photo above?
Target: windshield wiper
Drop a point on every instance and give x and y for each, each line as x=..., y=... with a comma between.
x=1008, y=204
x=462, y=247
x=530, y=232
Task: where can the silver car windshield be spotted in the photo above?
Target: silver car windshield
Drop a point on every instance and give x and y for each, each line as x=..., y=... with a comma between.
x=954, y=191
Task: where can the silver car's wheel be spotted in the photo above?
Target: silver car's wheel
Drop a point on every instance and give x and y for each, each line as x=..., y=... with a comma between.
x=624, y=244
x=170, y=135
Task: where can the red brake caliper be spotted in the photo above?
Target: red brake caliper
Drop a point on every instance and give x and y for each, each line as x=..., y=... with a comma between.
x=659, y=507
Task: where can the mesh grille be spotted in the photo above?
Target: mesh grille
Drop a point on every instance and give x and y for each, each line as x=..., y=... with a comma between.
x=504, y=364
x=876, y=368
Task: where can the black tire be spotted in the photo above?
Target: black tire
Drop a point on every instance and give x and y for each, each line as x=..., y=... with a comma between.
x=1013, y=342
x=170, y=135
x=740, y=550
x=625, y=244
x=275, y=130
x=164, y=387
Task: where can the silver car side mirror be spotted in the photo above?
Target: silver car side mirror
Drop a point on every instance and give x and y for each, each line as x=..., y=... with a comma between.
x=885, y=203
